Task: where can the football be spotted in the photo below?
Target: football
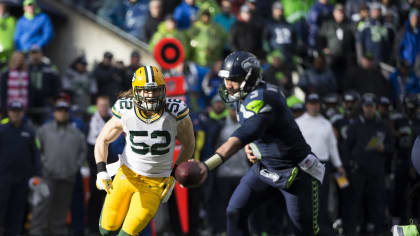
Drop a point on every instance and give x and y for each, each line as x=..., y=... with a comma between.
x=188, y=174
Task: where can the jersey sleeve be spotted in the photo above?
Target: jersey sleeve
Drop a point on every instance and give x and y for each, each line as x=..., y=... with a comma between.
x=177, y=108
x=258, y=113
x=116, y=111
x=259, y=102
x=121, y=106
x=253, y=128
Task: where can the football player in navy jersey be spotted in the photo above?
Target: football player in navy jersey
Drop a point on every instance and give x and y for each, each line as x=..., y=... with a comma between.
x=283, y=161
x=411, y=229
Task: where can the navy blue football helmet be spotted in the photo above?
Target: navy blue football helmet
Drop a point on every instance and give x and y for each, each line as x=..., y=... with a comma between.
x=242, y=67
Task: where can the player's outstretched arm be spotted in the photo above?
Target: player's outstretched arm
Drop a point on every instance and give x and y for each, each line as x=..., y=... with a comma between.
x=185, y=135
x=108, y=134
x=223, y=153
x=111, y=131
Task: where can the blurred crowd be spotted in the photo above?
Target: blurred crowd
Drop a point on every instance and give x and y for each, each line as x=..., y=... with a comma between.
x=349, y=70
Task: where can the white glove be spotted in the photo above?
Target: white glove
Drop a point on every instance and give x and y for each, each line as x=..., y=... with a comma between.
x=104, y=181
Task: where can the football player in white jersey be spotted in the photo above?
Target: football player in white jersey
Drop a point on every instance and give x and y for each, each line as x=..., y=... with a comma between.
x=151, y=123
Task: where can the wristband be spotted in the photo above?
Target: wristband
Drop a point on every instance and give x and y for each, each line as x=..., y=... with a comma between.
x=214, y=161
x=100, y=166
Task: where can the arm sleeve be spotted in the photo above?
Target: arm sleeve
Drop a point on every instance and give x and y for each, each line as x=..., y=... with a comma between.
x=253, y=127
x=17, y=36
x=47, y=33
x=178, y=109
x=178, y=15
x=361, y=40
x=313, y=27
x=332, y=142
x=116, y=111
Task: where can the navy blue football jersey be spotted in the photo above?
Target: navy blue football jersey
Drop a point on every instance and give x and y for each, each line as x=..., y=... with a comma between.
x=268, y=123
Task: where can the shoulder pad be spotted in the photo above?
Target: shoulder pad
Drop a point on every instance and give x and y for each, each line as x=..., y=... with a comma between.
x=256, y=103
x=121, y=106
x=177, y=108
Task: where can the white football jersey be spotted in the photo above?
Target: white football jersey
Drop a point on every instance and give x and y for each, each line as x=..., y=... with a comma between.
x=150, y=142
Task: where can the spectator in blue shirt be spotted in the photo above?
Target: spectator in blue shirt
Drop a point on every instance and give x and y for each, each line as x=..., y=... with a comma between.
x=225, y=18
x=131, y=15
x=194, y=76
x=318, y=13
x=404, y=81
x=34, y=28
x=410, y=43
x=185, y=14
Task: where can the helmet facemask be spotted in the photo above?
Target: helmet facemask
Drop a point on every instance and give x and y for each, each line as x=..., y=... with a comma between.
x=245, y=86
x=243, y=68
x=146, y=103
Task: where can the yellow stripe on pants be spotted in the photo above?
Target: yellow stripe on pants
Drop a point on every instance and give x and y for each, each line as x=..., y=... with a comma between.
x=132, y=203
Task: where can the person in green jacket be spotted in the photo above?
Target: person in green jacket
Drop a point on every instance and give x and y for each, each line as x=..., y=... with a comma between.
x=167, y=29
x=7, y=29
x=210, y=5
x=296, y=10
x=207, y=40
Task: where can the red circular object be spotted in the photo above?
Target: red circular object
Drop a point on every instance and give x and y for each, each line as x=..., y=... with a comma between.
x=169, y=53
x=188, y=174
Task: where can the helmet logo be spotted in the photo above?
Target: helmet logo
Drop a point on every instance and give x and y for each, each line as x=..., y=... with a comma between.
x=250, y=62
